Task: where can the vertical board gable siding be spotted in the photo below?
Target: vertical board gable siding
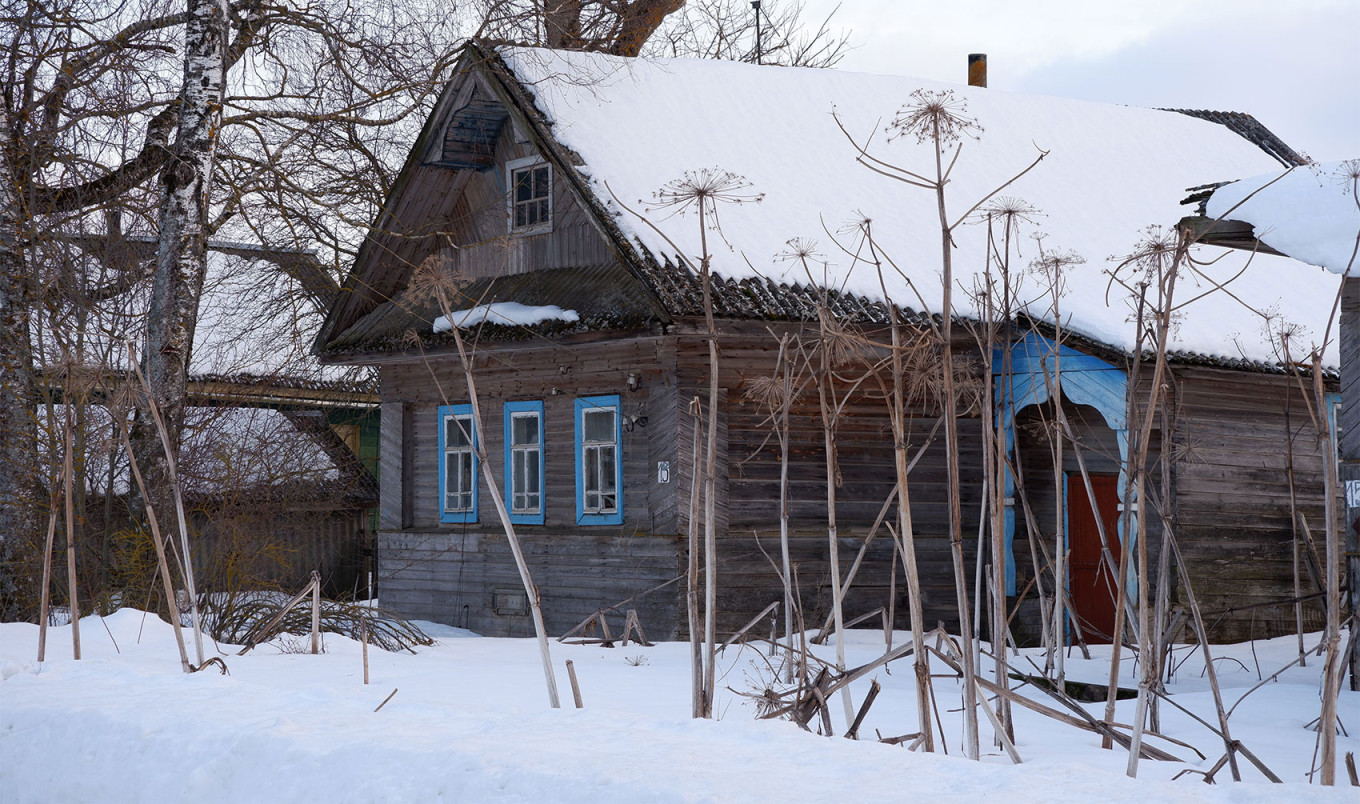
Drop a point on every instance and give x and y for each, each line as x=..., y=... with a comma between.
x=479, y=227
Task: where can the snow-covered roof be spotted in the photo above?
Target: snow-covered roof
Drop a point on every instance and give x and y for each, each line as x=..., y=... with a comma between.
x=505, y=314
x=1110, y=172
x=1312, y=213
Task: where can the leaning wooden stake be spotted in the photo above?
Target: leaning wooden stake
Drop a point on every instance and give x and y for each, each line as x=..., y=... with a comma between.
x=530, y=589
x=853, y=732
x=73, y=587
x=388, y=698
x=316, y=612
x=44, y=607
x=363, y=635
x=998, y=727
x=172, y=476
x=167, y=583
x=575, y=687
x=260, y=633
x=1229, y=743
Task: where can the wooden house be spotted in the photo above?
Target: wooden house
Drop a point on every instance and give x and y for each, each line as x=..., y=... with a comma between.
x=553, y=186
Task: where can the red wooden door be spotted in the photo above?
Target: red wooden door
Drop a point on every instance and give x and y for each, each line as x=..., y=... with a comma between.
x=1091, y=586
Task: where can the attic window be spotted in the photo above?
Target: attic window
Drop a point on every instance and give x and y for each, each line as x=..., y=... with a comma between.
x=530, y=198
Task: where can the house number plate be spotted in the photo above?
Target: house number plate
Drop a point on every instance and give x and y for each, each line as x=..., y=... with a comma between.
x=663, y=471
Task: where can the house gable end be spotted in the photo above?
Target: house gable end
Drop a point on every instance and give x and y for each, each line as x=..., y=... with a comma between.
x=454, y=204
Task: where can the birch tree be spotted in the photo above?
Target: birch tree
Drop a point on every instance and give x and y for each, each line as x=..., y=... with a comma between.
x=182, y=254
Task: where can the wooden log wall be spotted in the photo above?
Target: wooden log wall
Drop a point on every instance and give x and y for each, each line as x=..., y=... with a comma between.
x=750, y=554
x=468, y=578
x=433, y=570
x=1233, y=500
x=650, y=547
x=1230, y=498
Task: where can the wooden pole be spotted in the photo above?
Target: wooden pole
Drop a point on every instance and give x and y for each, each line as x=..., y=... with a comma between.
x=493, y=489
x=1121, y=578
x=785, y=403
x=73, y=587
x=167, y=582
x=710, y=475
x=575, y=687
x=316, y=612
x=1293, y=519
x=697, y=696
x=363, y=634
x=1332, y=664
x=1060, y=580
x=824, y=380
x=1163, y=318
x=44, y=607
x=172, y=475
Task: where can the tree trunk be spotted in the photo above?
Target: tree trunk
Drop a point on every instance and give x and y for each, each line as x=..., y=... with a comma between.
x=18, y=432
x=562, y=24
x=181, y=257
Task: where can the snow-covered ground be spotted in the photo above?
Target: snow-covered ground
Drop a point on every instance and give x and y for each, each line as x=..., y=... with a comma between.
x=470, y=722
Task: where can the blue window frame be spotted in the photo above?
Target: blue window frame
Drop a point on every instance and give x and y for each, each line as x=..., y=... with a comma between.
x=457, y=464
x=524, y=462
x=599, y=460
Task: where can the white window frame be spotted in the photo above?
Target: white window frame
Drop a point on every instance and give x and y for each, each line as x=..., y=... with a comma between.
x=467, y=482
x=521, y=513
x=513, y=167
x=589, y=464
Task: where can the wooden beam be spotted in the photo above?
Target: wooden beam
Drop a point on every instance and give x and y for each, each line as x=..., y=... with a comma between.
x=1226, y=233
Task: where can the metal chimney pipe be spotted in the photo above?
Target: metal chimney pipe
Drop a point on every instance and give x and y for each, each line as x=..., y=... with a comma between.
x=755, y=5
x=977, y=69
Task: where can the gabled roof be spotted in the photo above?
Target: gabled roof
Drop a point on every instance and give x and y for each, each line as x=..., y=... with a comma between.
x=620, y=129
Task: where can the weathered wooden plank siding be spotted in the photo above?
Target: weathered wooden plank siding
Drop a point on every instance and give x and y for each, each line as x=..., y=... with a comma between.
x=479, y=241
x=391, y=465
x=1233, y=509
x=556, y=377
x=748, y=581
x=1229, y=501
x=470, y=579
x=435, y=570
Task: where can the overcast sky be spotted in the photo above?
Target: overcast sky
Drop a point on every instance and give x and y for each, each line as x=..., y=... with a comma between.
x=1295, y=65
